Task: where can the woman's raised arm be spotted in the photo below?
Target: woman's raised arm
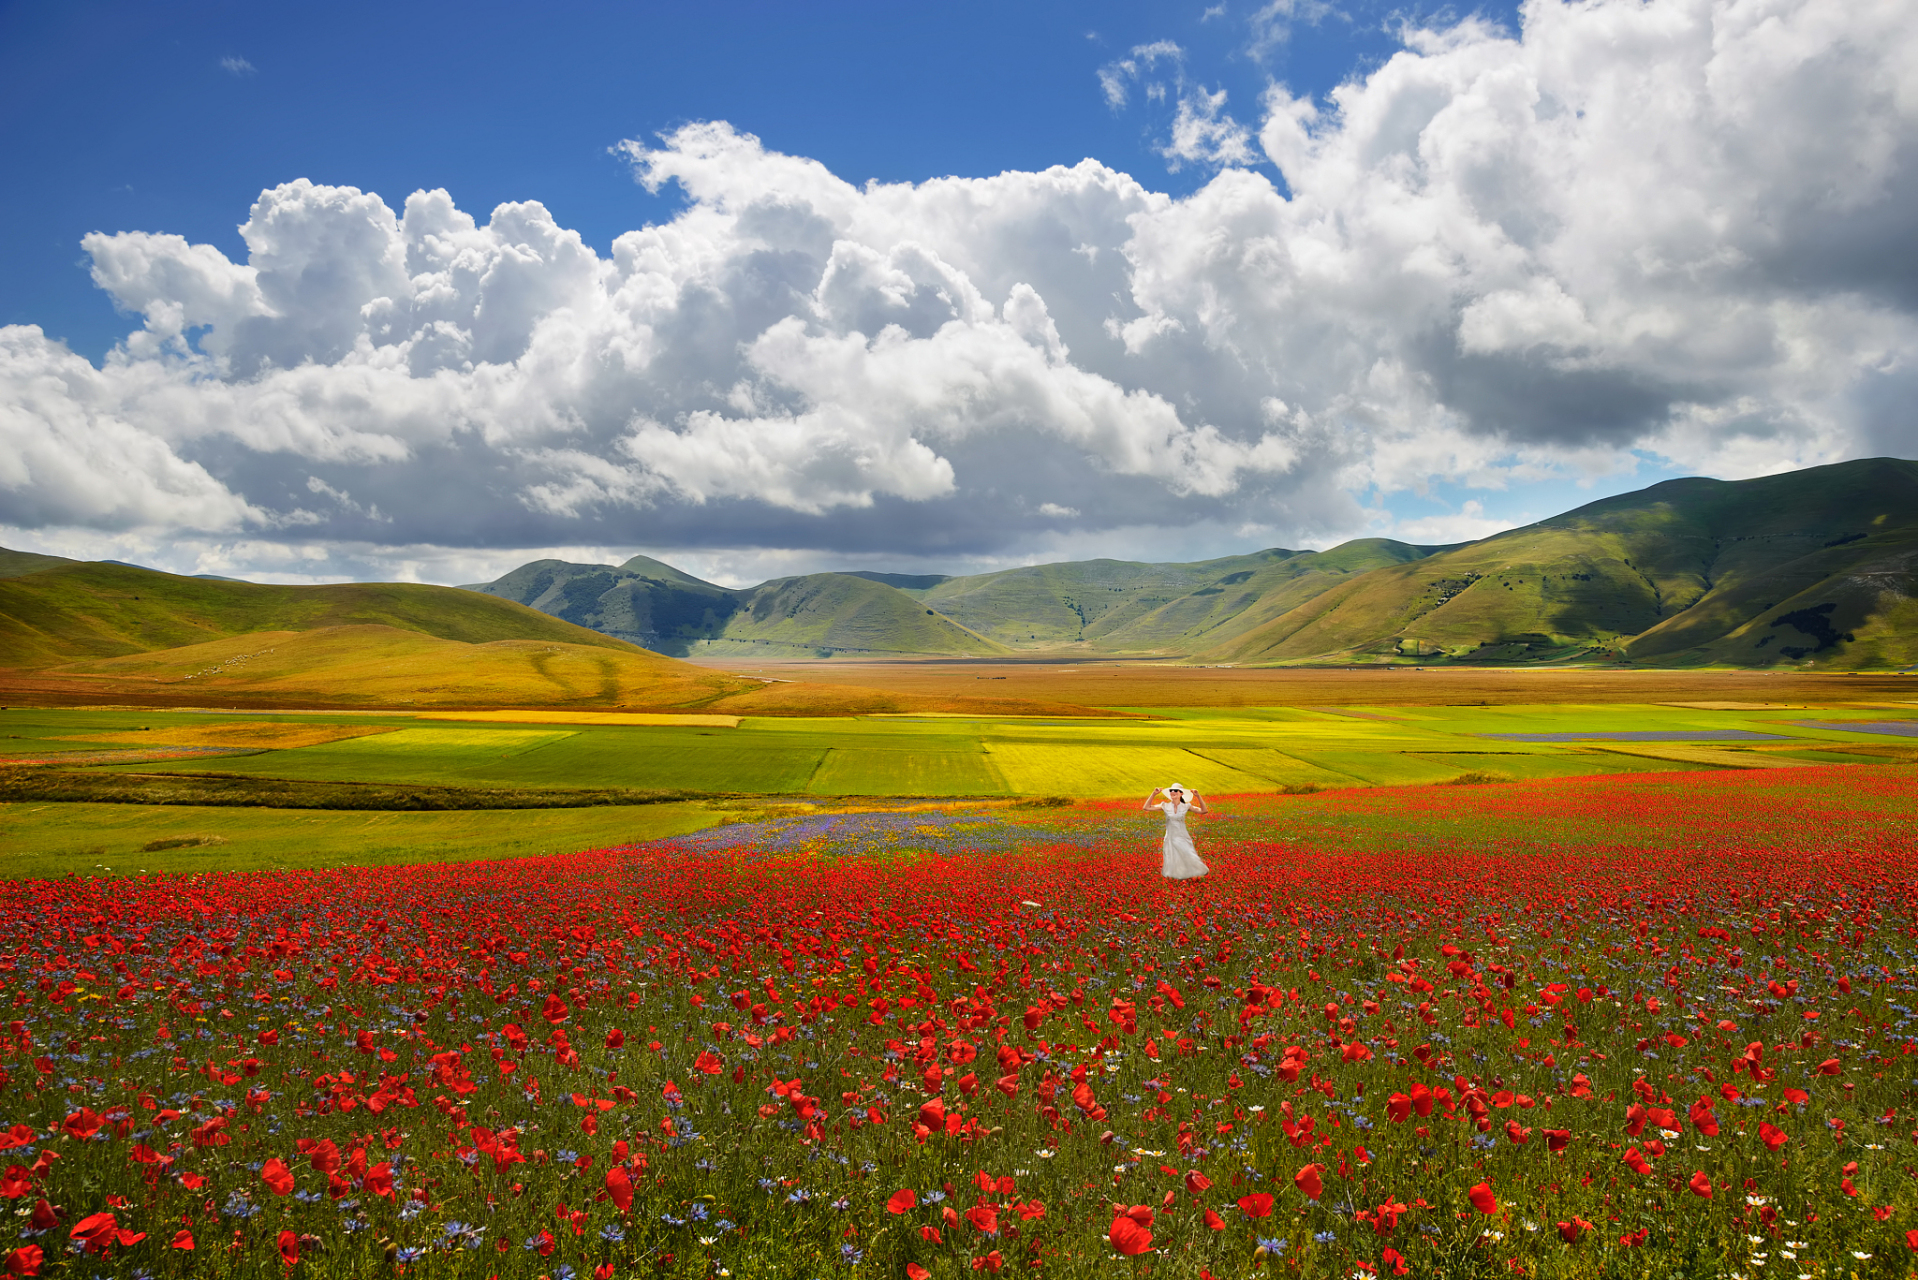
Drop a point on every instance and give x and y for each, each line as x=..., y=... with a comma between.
x=1149, y=799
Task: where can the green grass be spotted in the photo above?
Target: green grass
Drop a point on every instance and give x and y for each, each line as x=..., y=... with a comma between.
x=48, y=840
x=863, y=772
x=1525, y=765
x=500, y=744
x=651, y=759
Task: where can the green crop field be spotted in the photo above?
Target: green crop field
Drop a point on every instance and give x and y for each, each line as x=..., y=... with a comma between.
x=1380, y=768
x=1275, y=767
x=508, y=790
x=1222, y=750
x=1524, y=764
x=49, y=840
x=500, y=744
x=865, y=772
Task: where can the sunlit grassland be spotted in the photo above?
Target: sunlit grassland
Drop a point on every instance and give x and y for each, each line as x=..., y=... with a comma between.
x=1218, y=750
x=50, y=840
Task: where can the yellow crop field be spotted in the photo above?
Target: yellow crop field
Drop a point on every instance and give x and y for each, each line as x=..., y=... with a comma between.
x=1274, y=766
x=1032, y=768
x=584, y=717
x=1718, y=757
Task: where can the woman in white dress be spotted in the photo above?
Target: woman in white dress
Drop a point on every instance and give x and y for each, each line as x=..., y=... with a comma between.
x=1181, y=859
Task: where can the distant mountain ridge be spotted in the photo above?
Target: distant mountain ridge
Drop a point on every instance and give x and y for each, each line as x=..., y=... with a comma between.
x=658, y=607
x=1108, y=605
x=1809, y=566
x=1817, y=565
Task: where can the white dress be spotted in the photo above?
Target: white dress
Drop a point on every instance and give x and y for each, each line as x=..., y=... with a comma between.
x=1181, y=859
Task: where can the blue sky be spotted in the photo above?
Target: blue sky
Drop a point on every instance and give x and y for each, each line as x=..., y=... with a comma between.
x=1483, y=350
x=135, y=116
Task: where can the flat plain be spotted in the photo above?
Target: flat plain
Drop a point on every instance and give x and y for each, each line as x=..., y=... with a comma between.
x=525, y=783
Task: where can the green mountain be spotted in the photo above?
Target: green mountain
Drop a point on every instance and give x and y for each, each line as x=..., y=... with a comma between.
x=647, y=603
x=1814, y=565
x=78, y=610
x=1118, y=606
x=660, y=608
x=18, y=564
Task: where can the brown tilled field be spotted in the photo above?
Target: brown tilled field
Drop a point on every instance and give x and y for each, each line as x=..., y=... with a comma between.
x=1145, y=684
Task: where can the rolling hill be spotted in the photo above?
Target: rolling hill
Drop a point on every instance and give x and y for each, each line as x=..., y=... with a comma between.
x=1106, y=605
x=1810, y=566
x=1121, y=606
x=817, y=615
x=81, y=632
x=79, y=610
x=1815, y=565
x=14, y=564
x=373, y=665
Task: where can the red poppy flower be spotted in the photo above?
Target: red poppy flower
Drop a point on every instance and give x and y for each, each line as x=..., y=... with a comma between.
x=1130, y=1236
x=277, y=1176
x=619, y=1188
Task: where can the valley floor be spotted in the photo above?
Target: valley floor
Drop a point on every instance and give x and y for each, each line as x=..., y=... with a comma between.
x=1121, y=683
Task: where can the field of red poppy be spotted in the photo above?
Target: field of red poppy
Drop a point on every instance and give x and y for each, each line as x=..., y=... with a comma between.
x=1614, y=1026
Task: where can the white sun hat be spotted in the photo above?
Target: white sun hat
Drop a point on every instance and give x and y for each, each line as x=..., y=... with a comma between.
x=1176, y=787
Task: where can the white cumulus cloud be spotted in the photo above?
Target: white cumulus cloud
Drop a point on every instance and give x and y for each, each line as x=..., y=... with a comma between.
x=1680, y=228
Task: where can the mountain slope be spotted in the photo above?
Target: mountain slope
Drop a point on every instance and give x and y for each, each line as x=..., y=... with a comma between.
x=95, y=610
x=661, y=608
x=18, y=564
x=1125, y=606
x=642, y=601
x=838, y=612
x=1242, y=599
x=374, y=665
x=1821, y=561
